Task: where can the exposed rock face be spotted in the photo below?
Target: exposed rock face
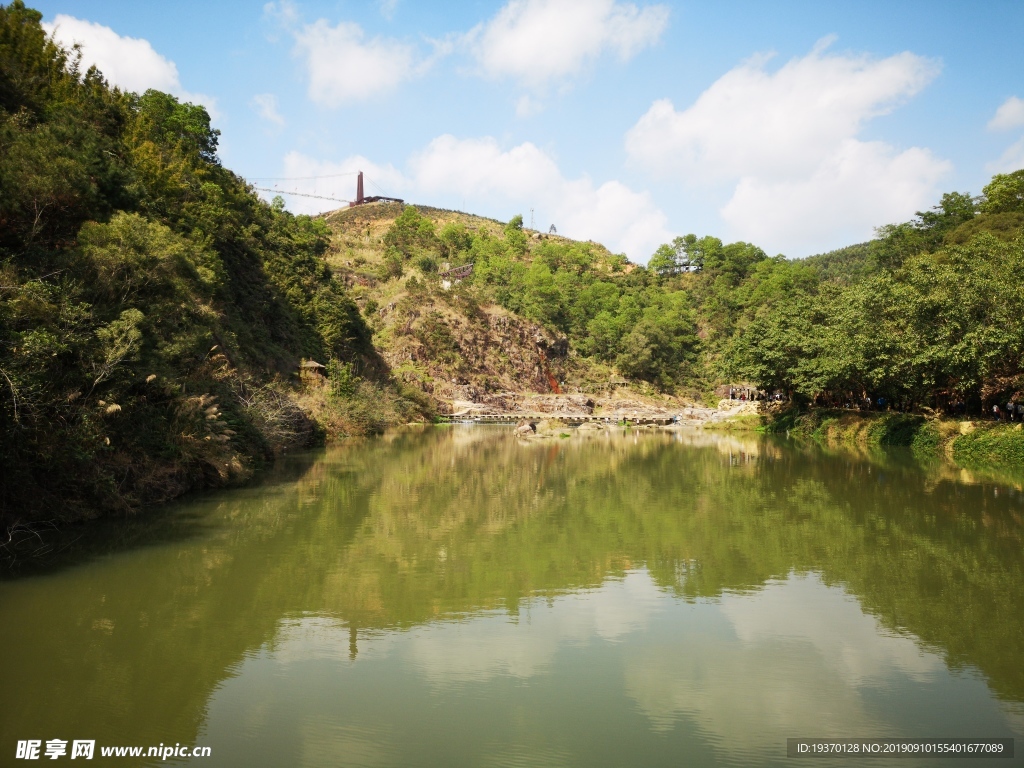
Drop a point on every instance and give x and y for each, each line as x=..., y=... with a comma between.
x=477, y=354
x=441, y=339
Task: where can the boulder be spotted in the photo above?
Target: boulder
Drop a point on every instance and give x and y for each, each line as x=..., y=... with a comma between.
x=526, y=428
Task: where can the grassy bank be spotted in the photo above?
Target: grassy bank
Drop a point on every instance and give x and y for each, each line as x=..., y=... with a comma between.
x=747, y=422
x=991, y=447
x=922, y=435
x=974, y=445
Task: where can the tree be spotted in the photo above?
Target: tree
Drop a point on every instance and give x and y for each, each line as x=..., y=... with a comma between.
x=663, y=342
x=411, y=233
x=455, y=240
x=953, y=210
x=664, y=261
x=186, y=127
x=693, y=253
x=515, y=238
x=1005, y=193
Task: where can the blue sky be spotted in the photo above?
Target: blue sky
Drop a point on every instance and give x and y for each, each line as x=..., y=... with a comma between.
x=799, y=126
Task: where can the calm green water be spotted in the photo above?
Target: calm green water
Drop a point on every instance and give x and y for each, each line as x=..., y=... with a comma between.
x=456, y=597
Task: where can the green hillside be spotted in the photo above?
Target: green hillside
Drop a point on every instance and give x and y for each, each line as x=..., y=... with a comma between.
x=154, y=311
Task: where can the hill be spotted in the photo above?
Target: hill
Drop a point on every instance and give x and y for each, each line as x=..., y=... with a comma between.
x=447, y=335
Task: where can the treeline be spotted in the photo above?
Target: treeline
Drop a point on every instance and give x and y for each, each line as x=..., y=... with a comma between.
x=148, y=299
x=929, y=314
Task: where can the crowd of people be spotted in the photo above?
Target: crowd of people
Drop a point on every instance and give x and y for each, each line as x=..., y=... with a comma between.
x=1012, y=410
x=757, y=395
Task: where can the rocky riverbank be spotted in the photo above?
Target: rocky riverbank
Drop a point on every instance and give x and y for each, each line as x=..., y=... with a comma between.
x=620, y=407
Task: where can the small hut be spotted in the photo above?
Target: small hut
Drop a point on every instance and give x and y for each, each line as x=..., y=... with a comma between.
x=311, y=370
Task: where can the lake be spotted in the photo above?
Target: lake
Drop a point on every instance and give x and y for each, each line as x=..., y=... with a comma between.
x=454, y=596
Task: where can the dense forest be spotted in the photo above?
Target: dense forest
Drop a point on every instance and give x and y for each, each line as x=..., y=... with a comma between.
x=149, y=301
x=154, y=311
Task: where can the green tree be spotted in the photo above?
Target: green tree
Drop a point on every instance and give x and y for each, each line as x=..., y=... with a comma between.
x=412, y=233
x=515, y=237
x=663, y=261
x=455, y=241
x=1004, y=194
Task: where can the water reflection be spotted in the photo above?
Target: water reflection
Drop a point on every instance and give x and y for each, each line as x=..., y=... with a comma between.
x=799, y=655
x=453, y=653
x=584, y=600
x=733, y=675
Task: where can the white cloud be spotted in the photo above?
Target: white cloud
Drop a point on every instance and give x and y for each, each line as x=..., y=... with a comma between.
x=1011, y=160
x=785, y=142
x=479, y=168
x=801, y=653
x=751, y=121
x=1009, y=115
x=344, y=67
x=492, y=645
x=284, y=13
x=480, y=176
x=832, y=622
x=129, y=63
x=537, y=41
x=265, y=105
x=858, y=187
x=524, y=176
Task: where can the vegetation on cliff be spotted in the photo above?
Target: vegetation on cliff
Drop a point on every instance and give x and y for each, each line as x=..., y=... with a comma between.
x=535, y=313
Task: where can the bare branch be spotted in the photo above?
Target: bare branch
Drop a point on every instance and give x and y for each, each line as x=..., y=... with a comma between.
x=14, y=394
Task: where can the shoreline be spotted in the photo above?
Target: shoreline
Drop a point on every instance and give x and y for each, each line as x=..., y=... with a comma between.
x=985, y=448
x=975, y=445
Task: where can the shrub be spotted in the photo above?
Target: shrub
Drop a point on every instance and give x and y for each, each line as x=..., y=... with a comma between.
x=342, y=378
